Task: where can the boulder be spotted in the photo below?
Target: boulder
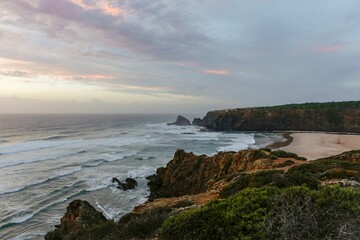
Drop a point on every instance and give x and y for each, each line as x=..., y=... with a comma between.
x=129, y=183
x=181, y=121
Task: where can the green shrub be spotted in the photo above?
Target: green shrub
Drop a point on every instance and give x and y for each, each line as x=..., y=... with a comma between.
x=285, y=164
x=238, y=217
x=275, y=178
x=284, y=154
x=328, y=169
x=272, y=213
x=259, y=154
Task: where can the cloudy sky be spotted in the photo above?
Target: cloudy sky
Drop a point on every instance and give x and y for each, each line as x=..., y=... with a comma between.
x=187, y=56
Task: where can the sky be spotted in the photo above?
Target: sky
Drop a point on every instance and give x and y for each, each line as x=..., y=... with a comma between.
x=170, y=56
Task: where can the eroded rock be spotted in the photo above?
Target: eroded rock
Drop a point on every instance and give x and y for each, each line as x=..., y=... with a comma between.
x=79, y=215
x=181, y=121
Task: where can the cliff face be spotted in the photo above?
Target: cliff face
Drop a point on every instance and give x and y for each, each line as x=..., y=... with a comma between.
x=270, y=119
x=189, y=174
x=79, y=215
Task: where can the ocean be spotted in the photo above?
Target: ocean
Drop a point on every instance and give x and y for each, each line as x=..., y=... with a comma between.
x=46, y=161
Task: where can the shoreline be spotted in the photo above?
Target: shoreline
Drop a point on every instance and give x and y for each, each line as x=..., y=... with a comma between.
x=315, y=145
x=288, y=140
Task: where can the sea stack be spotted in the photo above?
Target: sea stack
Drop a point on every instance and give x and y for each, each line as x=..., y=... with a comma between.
x=181, y=121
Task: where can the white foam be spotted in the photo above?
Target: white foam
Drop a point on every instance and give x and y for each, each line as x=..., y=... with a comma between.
x=22, y=218
x=5, y=189
x=29, y=235
x=141, y=172
x=117, y=155
x=109, y=212
x=34, y=145
x=46, y=157
x=238, y=142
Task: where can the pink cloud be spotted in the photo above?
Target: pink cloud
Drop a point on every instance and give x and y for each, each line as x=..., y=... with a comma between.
x=330, y=48
x=100, y=4
x=219, y=71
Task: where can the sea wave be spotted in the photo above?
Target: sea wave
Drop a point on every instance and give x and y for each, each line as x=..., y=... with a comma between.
x=40, y=159
x=238, y=142
x=58, y=173
x=35, y=145
x=107, y=214
x=29, y=235
x=141, y=172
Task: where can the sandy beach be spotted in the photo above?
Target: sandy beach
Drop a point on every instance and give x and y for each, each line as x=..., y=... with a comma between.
x=319, y=145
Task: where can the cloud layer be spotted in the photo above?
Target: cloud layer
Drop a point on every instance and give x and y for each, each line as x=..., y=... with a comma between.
x=196, y=54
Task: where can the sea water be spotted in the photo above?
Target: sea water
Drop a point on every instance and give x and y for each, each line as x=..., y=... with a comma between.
x=46, y=161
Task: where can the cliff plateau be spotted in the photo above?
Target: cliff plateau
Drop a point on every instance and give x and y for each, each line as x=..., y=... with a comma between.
x=328, y=117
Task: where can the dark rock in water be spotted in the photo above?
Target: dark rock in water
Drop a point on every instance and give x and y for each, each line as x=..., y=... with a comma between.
x=188, y=133
x=129, y=183
x=181, y=121
x=197, y=122
x=79, y=215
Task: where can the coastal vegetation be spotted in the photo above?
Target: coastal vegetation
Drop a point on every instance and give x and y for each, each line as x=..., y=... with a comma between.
x=272, y=213
x=317, y=105
x=251, y=194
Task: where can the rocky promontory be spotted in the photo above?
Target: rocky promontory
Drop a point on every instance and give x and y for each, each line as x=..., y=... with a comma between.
x=252, y=194
x=181, y=121
x=327, y=117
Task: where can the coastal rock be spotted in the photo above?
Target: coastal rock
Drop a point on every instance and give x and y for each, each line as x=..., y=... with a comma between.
x=79, y=215
x=181, y=121
x=189, y=181
x=188, y=173
x=327, y=117
x=129, y=183
x=197, y=122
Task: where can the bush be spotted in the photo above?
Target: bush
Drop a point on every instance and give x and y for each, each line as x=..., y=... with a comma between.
x=284, y=154
x=238, y=217
x=275, y=178
x=272, y=213
x=330, y=213
x=130, y=226
x=328, y=169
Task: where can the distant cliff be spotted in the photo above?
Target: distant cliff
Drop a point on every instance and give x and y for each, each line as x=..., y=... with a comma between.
x=329, y=117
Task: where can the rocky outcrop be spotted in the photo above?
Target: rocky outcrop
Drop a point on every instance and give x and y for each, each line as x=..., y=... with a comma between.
x=197, y=122
x=79, y=215
x=188, y=173
x=284, y=119
x=181, y=121
x=129, y=183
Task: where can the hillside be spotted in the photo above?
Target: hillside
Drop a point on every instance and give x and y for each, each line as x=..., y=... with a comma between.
x=327, y=117
x=250, y=194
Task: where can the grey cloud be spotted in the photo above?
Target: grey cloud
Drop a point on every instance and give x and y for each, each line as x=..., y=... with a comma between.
x=15, y=74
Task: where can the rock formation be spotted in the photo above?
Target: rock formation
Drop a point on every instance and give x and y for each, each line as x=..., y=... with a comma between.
x=197, y=122
x=129, y=183
x=188, y=173
x=181, y=121
x=326, y=117
x=79, y=215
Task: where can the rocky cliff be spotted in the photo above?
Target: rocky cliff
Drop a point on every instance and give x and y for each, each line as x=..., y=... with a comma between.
x=180, y=190
x=329, y=117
